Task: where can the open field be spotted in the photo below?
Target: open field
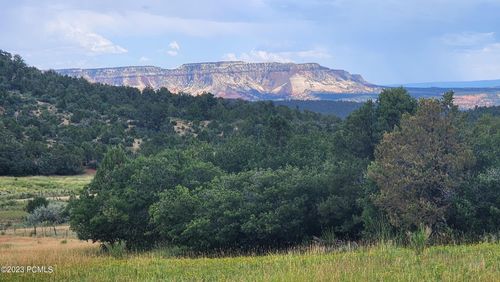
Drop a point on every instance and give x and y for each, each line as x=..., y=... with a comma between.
x=12, y=214
x=15, y=188
x=16, y=191
x=74, y=260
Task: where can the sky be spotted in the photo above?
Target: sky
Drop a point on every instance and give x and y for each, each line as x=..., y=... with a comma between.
x=386, y=41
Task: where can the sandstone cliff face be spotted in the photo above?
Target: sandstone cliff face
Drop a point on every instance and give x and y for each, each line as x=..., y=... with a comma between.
x=251, y=81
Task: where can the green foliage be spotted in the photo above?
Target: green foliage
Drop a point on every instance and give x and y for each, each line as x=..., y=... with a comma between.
x=51, y=214
x=419, y=239
x=249, y=209
x=358, y=135
x=328, y=237
x=174, y=212
x=364, y=128
x=114, y=206
x=177, y=199
x=392, y=103
x=475, y=210
x=486, y=141
x=340, y=209
x=261, y=208
x=116, y=250
x=35, y=203
x=420, y=166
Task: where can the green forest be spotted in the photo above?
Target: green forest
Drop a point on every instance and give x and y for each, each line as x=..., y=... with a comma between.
x=203, y=173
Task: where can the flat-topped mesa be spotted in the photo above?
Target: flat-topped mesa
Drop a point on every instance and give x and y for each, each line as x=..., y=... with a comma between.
x=239, y=66
x=124, y=71
x=235, y=79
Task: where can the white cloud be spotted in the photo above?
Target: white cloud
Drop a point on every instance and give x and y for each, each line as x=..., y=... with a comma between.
x=280, y=57
x=174, y=48
x=172, y=53
x=145, y=23
x=230, y=57
x=88, y=40
x=174, y=45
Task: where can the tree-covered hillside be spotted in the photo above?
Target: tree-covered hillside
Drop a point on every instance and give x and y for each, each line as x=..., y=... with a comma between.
x=327, y=107
x=53, y=124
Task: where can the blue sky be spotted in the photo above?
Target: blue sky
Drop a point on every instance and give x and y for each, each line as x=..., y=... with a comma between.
x=386, y=41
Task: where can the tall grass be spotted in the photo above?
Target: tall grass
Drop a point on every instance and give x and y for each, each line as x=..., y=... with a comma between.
x=81, y=261
x=419, y=239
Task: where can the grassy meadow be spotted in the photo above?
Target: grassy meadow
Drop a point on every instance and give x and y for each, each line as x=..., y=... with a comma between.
x=15, y=191
x=74, y=260
x=17, y=188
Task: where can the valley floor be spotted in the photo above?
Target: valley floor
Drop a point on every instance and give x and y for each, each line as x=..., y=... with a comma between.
x=74, y=260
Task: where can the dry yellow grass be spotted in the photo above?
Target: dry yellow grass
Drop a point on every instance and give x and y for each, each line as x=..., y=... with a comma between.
x=17, y=250
x=81, y=261
x=42, y=252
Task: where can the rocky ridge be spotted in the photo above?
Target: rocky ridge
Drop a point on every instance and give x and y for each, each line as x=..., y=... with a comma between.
x=235, y=79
